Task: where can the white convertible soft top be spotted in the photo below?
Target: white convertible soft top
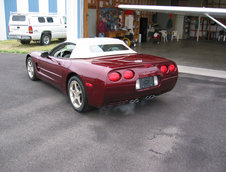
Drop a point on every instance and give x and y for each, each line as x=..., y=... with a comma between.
x=89, y=47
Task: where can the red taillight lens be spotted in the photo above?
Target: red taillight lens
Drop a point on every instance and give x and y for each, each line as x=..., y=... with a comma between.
x=30, y=29
x=128, y=74
x=172, y=68
x=114, y=76
x=8, y=29
x=163, y=69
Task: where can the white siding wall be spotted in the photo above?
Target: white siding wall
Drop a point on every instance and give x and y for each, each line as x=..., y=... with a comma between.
x=2, y=21
x=44, y=6
x=61, y=7
x=72, y=19
x=22, y=6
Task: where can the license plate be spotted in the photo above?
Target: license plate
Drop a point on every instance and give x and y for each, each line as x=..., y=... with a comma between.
x=146, y=82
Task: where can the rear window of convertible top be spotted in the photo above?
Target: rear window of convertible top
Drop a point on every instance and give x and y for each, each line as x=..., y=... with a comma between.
x=107, y=48
x=18, y=18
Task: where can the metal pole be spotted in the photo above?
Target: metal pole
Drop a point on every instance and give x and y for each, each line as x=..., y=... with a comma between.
x=215, y=20
x=198, y=29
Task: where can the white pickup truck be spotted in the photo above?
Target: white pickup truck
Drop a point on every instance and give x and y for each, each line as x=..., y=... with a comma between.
x=37, y=27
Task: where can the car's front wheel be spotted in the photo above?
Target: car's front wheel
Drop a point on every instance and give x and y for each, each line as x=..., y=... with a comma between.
x=31, y=69
x=77, y=94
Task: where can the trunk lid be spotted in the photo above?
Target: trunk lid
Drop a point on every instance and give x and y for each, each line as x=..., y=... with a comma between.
x=128, y=60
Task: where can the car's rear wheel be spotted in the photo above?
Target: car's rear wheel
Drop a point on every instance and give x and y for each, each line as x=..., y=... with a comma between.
x=24, y=42
x=45, y=39
x=77, y=94
x=31, y=69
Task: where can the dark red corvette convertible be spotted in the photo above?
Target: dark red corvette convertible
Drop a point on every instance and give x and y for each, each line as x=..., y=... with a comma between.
x=102, y=71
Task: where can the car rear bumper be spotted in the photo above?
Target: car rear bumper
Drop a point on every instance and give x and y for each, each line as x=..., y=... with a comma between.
x=20, y=37
x=121, y=94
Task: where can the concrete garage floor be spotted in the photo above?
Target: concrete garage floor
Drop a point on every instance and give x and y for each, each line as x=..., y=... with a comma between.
x=204, y=54
x=181, y=131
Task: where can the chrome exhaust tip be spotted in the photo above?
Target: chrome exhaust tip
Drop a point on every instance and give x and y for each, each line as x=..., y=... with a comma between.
x=149, y=97
x=134, y=101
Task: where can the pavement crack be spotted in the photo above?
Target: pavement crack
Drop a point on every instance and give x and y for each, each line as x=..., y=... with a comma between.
x=153, y=137
x=166, y=134
x=158, y=153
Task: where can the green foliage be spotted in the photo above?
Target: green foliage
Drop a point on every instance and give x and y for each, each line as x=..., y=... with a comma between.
x=14, y=46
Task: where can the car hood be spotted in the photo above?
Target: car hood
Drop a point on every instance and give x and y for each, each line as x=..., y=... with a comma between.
x=128, y=60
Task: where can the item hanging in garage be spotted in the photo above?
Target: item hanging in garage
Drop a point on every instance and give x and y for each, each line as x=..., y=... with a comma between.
x=128, y=38
x=187, y=23
x=156, y=37
x=221, y=36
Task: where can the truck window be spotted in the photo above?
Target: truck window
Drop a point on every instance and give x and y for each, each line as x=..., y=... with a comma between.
x=41, y=19
x=65, y=20
x=49, y=19
x=18, y=18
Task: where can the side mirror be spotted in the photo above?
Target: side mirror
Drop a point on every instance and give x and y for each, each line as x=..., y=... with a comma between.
x=45, y=54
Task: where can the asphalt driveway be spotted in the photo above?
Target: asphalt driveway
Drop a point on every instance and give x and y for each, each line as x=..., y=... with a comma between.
x=181, y=131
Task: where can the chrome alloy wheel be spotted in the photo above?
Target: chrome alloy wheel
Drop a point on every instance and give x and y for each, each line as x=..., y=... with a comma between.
x=30, y=68
x=76, y=94
x=46, y=40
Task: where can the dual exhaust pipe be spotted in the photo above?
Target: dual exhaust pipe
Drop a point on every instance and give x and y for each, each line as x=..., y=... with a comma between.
x=137, y=100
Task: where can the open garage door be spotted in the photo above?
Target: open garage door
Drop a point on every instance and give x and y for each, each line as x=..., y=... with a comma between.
x=92, y=15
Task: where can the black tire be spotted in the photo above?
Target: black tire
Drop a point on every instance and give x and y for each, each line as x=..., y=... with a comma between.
x=24, y=42
x=127, y=41
x=77, y=94
x=62, y=39
x=31, y=69
x=45, y=39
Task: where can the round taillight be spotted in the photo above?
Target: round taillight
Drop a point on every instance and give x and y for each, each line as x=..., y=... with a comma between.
x=128, y=74
x=172, y=68
x=114, y=76
x=163, y=69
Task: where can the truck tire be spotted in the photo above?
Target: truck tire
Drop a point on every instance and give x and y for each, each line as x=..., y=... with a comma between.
x=45, y=39
x=24, y=42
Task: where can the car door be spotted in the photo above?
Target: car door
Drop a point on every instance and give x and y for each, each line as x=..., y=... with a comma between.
x=52, y=67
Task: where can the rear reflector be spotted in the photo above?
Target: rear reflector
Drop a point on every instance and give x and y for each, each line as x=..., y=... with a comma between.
x=8, y=29
x=172, y=68
x=30, y=29
x=164, y=69
x=128, y=74
x=114, y=76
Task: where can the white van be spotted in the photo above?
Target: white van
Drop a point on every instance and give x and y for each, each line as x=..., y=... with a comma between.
x=37, y=27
